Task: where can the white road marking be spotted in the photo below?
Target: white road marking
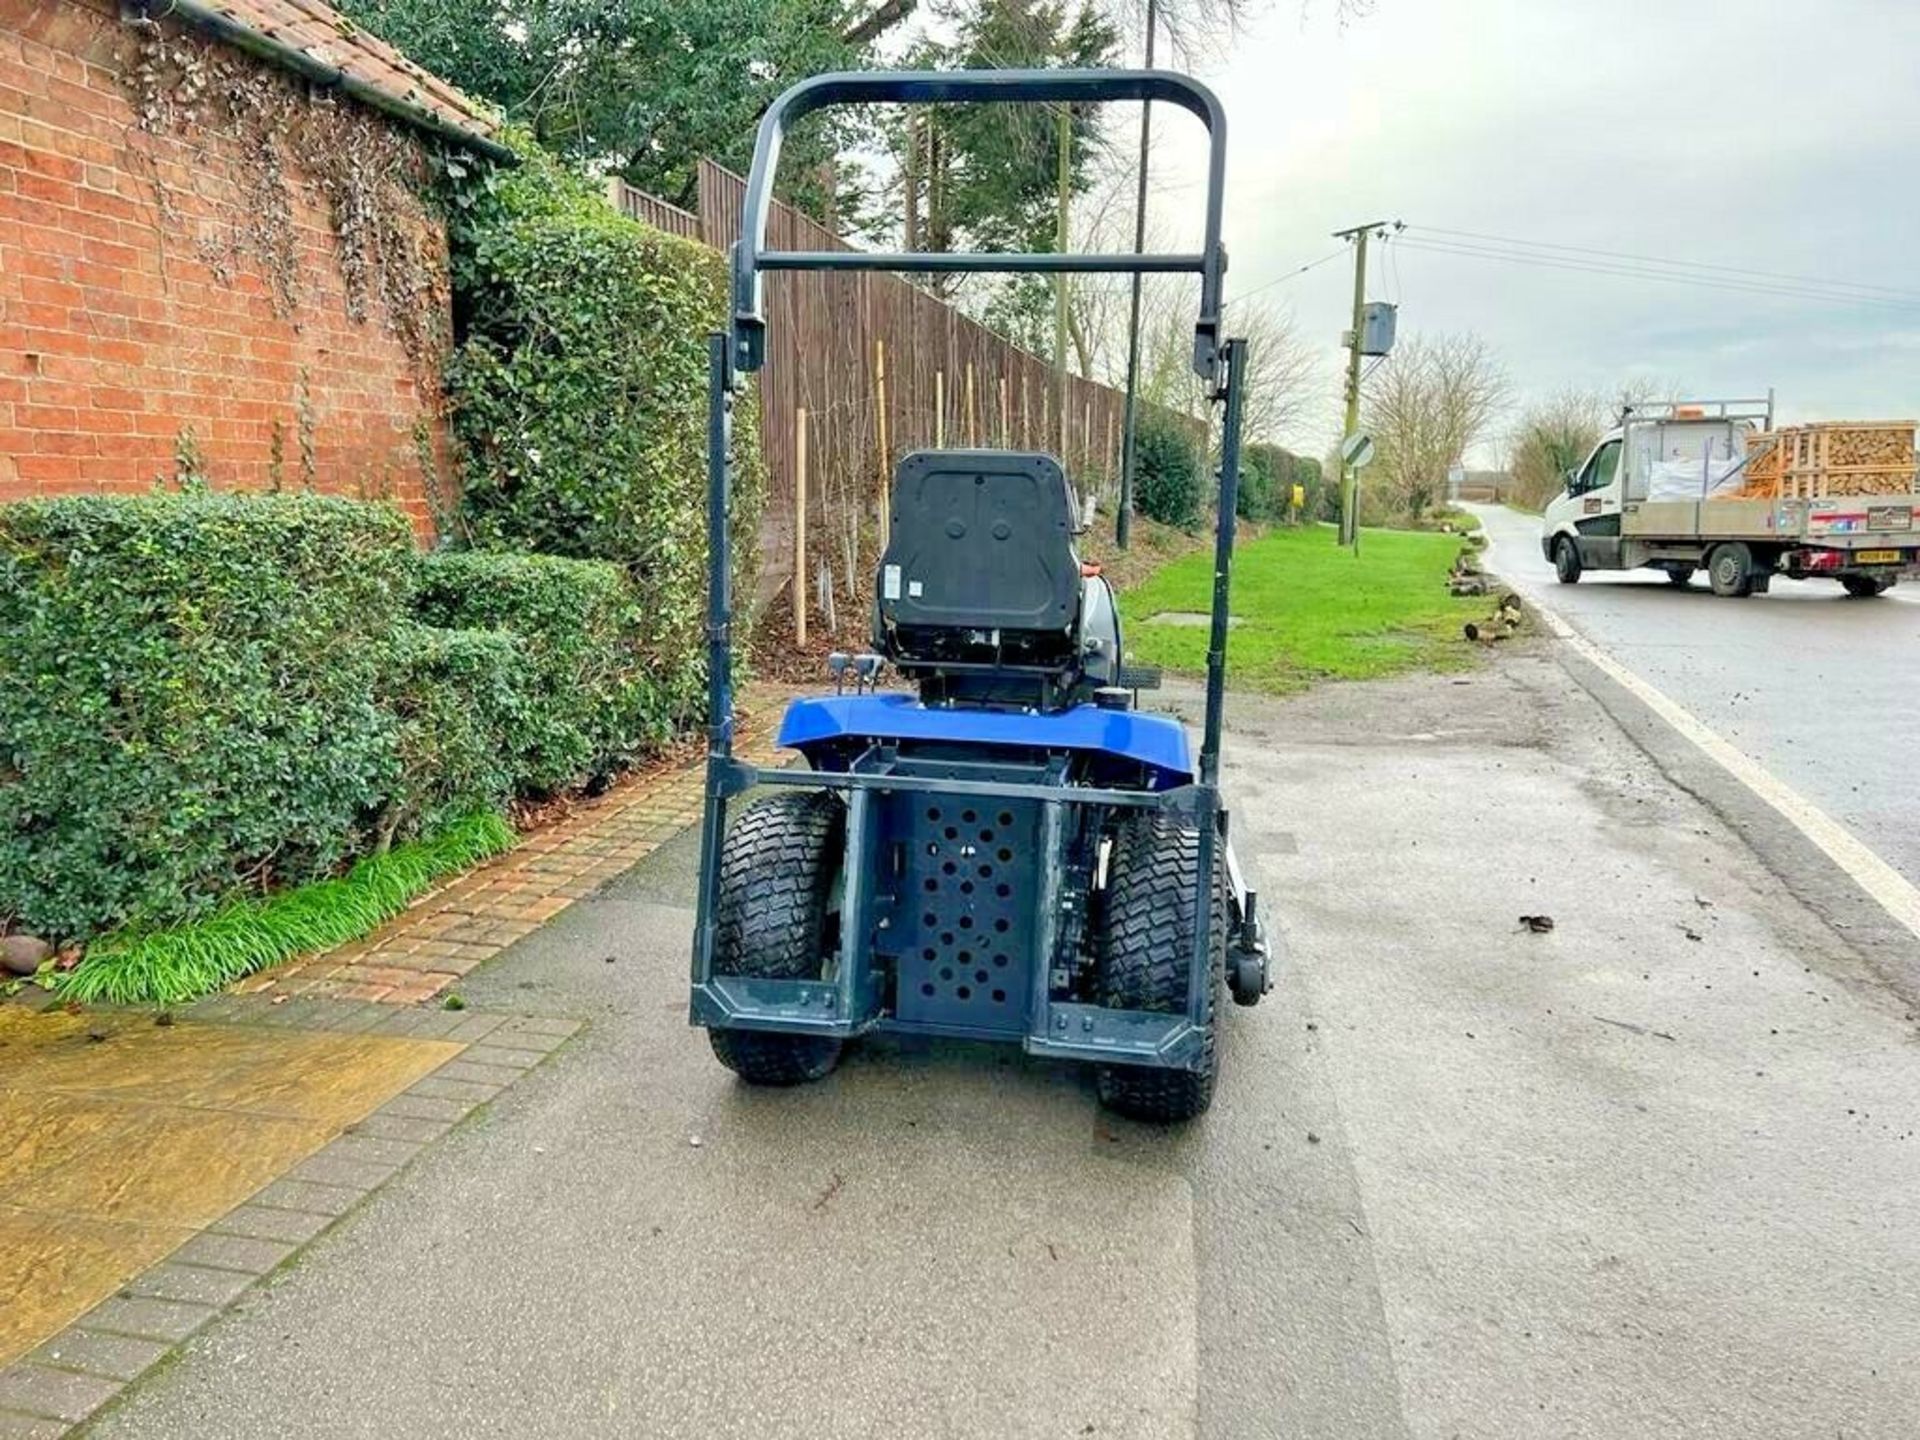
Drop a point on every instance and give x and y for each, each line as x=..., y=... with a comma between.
x=1892, y=890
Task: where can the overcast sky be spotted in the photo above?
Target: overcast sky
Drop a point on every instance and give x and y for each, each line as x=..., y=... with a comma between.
x=1766, y=136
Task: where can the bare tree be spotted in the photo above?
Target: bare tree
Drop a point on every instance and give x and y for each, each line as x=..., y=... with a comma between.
x=1552, y=436
x=1283, y=374
x=1556, y=433
x=1282, y=371
x=1424, y=407
x=1199, y=31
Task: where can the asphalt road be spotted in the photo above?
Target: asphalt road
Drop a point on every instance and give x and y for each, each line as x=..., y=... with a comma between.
x=1823, y=690
x=1648, y=1175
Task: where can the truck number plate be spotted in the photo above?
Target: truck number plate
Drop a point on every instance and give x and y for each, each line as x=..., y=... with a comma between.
x=1877, y=557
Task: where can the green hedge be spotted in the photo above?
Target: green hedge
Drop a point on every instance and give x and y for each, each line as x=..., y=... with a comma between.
x=1167, y=484
x=579, y=394
x=190, y=699
x=1268, y=474
x=205, y=696
x=1261, y=495
x=459, y=698
x=588, y=706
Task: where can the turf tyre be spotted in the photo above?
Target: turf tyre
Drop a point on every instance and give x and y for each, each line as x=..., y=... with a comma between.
x=1145, y=946
x=773, y=920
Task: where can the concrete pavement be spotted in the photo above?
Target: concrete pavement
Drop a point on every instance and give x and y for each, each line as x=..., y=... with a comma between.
x=1650, y=1174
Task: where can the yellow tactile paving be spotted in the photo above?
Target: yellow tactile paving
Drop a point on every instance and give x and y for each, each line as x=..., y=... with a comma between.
x=119, y=1138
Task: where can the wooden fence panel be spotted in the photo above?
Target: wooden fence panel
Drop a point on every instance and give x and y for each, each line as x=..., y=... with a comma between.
x=824, y=330
x=651, y=210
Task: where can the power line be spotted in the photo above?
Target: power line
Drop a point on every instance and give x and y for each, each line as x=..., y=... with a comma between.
x=1692, y=281
x=1635, y=272
x=1670, y=263
x=1396, y=291
x=1639, y=273
x=1293, y=274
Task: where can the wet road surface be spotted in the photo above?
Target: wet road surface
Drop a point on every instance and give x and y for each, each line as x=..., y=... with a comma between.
x=1822, y=689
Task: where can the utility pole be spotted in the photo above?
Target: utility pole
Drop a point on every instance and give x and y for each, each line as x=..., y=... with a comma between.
x=1350, y=477
x=1123, y=521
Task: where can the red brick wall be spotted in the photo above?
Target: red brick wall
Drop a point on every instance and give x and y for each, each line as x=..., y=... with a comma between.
x=128, y=316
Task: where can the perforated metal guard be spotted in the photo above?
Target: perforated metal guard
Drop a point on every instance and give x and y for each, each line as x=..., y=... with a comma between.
x=963, y=917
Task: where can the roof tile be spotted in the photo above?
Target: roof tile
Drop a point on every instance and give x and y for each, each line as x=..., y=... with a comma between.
x=329, y=37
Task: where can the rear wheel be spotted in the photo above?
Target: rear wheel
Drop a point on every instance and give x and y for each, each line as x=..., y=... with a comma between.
x=774, y=921
x=1865, y=587
x=1146, y=952
x=1566, y=560
x=1730, y=570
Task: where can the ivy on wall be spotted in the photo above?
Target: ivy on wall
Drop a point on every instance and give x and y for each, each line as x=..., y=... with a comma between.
x=373, y=180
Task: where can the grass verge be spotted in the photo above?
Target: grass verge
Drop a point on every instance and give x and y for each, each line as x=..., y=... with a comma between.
x=183, y=962
x=1310, y=610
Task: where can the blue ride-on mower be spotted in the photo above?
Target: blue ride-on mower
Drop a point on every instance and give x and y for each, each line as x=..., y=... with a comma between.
x=1009, y=850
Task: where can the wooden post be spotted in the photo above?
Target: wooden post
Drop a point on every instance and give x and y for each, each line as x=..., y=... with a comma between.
x=800, y=527
x=1006, y=415
x=886, y=451
x=939, y=409
x=1026, y=416
x=973, y=431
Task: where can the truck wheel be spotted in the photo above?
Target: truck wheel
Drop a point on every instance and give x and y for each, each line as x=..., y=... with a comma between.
x=1730, y=569
x=1865, y=587
x=1680, y=575
x=1146, y=948
x=773, y=920
x=1566, y=560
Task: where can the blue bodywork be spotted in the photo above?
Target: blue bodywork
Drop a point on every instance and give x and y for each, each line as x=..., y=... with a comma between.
x=1157, y=741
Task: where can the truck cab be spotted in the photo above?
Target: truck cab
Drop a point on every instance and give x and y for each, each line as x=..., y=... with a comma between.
x=1711, y=485
x=1582, y=529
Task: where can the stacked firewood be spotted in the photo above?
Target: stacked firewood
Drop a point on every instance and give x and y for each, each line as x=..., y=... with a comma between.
x=1834, y=457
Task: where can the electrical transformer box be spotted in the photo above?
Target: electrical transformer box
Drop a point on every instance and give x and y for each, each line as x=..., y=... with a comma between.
x=1376, y=328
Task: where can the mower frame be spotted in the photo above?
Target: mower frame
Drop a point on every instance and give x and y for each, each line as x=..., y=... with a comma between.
x=871, y=772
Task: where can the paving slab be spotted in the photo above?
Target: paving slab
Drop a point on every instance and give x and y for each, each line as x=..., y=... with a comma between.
x=115, y=1357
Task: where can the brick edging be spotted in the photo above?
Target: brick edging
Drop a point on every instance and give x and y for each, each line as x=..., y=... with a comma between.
x=445, y=934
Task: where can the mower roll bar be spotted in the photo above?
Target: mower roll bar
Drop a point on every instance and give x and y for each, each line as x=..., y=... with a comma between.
x=1221, y=363
x=976, y=87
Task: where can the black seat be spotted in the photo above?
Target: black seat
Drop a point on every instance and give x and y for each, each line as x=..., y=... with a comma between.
x=981, y=540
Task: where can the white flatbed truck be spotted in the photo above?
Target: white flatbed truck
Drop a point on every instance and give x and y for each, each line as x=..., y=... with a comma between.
x=1664, y=490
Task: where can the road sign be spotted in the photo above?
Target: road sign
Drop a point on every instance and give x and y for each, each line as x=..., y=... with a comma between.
x=1357, y=451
